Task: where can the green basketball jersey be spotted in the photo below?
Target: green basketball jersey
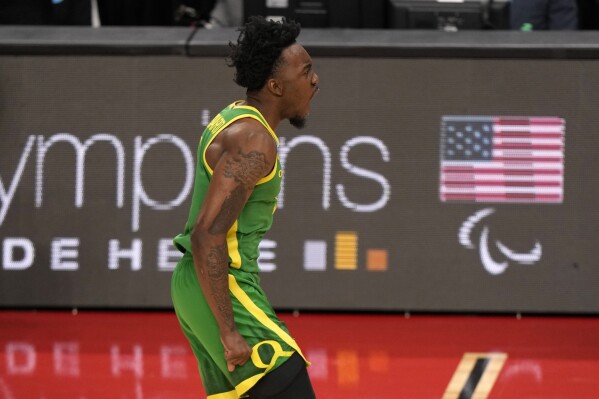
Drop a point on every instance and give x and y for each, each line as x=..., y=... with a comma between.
x=256, y=217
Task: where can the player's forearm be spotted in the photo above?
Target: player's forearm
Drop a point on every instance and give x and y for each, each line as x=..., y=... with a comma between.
x=211, y=260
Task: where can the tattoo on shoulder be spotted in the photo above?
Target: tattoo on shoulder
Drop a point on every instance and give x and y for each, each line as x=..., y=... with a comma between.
x=246, y=169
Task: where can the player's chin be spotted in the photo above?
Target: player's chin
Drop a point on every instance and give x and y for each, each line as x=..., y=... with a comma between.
x=298, y=121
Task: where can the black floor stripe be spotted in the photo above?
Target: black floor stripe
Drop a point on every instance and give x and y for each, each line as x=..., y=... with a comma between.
x=475, y=375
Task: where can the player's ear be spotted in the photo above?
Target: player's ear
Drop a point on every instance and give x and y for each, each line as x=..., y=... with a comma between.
x=275, y=87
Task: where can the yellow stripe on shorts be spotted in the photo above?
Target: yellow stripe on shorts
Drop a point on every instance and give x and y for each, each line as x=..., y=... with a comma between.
x=259, y=314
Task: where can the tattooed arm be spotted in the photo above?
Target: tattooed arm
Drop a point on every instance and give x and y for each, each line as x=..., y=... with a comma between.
x=240, y=156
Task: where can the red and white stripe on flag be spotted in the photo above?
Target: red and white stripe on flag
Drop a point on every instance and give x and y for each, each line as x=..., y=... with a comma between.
x=502, y=159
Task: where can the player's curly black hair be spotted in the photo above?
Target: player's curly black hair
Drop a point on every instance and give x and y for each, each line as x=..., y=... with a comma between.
x=257, y=54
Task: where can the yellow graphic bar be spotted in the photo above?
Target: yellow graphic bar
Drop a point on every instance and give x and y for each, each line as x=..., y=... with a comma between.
x=346, y=250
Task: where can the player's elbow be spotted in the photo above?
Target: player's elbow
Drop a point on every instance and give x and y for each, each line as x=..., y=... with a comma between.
x=198, y=235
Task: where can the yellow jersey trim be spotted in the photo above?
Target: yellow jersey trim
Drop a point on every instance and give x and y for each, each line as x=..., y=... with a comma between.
x=272, y=173
x=264, y=122
x=233, y=246
x=221, y=129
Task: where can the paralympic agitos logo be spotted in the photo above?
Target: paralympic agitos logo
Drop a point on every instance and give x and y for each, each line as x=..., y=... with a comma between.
x=491, y=265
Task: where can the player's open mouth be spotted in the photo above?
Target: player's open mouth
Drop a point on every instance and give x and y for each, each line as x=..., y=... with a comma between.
x=316, y=90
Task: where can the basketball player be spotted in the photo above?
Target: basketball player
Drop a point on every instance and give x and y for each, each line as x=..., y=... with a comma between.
x=243, y=349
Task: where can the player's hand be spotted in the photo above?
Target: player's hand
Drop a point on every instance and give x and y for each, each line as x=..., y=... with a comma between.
x=237, y=350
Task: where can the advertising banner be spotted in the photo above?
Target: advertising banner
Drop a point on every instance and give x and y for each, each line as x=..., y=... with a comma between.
x=417, y=184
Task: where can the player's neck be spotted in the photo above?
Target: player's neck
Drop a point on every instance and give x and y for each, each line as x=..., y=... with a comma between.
x=266, y=108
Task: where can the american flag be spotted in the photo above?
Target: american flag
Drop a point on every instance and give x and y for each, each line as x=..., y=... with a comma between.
x=502, y=159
